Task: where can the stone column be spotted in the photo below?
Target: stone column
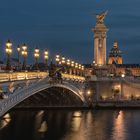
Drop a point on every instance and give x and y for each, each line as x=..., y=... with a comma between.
x=96, y=44
x=100, y=44
x=104, y=50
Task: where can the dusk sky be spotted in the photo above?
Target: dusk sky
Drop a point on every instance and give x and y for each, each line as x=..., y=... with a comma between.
x=64, y=26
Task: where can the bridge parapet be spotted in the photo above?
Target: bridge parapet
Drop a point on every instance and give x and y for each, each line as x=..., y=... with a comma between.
x=17, y=76
x=73, y=77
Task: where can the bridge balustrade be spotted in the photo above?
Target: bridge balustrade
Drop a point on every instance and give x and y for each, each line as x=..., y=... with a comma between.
x=74, y=77
x=17, y=76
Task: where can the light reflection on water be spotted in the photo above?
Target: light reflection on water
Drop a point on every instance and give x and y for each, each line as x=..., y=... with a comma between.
x=76, y=121
x=119, y=127
x=72, y=125
x=5, y=121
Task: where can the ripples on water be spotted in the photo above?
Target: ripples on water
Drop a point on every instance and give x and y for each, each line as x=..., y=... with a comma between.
x=71, y=125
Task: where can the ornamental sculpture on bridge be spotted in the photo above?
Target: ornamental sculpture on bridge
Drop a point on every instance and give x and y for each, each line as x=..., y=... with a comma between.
x=100, y=17
x=55, y=73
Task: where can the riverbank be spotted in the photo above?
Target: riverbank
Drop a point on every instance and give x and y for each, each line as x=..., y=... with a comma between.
x=113, y=105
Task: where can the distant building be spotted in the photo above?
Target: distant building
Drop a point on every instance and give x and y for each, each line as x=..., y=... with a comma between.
x=128, y=69
x=115, y=56
x=115, y=65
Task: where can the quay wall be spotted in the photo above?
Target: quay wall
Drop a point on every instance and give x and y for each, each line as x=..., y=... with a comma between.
x=115, y=90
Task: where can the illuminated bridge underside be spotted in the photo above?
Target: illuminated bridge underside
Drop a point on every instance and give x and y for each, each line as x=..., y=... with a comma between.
x=52, y=97
x=26, y=92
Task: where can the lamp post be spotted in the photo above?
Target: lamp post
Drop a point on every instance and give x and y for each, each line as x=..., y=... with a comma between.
x=72, y=65
x=76, y=67
x=68, y=65
x=83, y=68
x=24, y=54
x=36, y=56
x=57, y=59
x=89, y=97
x=18, y=51
x=46, y=57
x=80, y=67
x=68, y=62
x=8, y=51
x=63, y=62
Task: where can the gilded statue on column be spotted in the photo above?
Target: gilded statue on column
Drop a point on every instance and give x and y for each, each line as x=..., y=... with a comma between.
x=100, y=17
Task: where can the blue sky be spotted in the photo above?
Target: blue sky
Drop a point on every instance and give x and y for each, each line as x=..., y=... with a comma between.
x=65, y=26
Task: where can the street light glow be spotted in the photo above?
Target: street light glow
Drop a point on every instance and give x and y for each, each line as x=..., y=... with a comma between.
x=57, y=58
x=24, y=54
x=24, y=47
x=63, y=60
x=83, y=68
x=123, y=75
x=8, y=51
x=76, y=65
x=18, y=48
x=36, y=53
x=72, y=63
x=88, y=92
x=8, y=44
x=80, y=66
x=46, y=55
x=68, y=62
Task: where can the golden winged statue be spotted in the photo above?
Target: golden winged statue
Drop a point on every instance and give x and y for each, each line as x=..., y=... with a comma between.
x=100, y=17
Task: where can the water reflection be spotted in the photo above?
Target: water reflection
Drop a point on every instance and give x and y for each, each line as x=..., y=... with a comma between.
x=119, y=128
x=79, y=126
x=40, y=125
x=76, y=121
x=5, y=121
x=70, y=125
x=43, y=128
x=38, y=119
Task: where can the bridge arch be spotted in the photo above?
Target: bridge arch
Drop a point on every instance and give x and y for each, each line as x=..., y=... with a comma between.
x=26, y=92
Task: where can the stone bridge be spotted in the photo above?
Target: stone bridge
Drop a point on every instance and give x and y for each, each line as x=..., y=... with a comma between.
x=33, y=83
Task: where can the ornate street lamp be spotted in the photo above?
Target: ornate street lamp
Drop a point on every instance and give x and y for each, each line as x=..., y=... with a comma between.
x=68, y=62
x=18, y=51
x=72, y=65
x=83, y=67
x=57, y=59
x=36, y=56
x=80, y=68
x=76, y=67
x=8, y=51
x=46, y=57
x=24, y=54
x=68, y=65
x=63, y=61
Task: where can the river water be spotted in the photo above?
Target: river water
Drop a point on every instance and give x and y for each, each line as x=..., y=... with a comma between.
x=71, y=125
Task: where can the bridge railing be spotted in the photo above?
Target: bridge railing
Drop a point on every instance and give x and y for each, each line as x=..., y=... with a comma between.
x=17, y=76
x=74, y=77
